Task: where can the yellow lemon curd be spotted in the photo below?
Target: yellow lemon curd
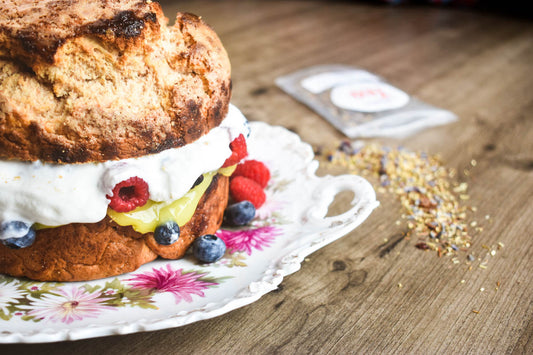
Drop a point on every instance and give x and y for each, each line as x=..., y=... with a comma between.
x=146, y=218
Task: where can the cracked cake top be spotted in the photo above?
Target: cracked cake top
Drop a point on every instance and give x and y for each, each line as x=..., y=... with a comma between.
x=90, y=81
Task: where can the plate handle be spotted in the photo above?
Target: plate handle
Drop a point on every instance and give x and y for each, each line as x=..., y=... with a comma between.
x=317, y=230
x=324, y=193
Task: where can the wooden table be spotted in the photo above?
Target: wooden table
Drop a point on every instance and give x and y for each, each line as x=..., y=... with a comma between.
x=371, y=291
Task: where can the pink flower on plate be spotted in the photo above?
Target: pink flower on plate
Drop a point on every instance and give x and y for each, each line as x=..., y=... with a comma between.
x=181, y=285
x=246, y=239
x=68, y=305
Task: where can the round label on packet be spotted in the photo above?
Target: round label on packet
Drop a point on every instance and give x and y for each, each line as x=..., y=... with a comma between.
x=368, y=97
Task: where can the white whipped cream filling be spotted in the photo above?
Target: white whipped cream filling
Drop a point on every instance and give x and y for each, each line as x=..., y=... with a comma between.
x=58, y=194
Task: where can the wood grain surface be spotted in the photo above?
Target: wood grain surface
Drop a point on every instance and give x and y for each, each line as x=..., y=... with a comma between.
x=372, y=291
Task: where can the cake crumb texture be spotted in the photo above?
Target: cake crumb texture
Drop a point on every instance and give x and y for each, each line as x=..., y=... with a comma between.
x=90, y=81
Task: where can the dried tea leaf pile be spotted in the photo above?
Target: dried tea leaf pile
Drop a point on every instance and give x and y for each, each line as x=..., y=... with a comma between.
x=433, y=205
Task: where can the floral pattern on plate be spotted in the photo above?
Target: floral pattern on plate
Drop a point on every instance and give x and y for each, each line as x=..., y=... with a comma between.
x=62, y=302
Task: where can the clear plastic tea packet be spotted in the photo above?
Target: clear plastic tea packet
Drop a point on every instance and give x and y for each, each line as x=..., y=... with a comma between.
x=361, y=104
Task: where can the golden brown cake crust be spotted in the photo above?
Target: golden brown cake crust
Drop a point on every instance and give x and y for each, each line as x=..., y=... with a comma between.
x=84, y=81
x=34, y=29
x=77, y=252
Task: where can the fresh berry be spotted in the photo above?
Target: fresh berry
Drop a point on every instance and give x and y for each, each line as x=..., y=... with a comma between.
x=248, y=129
x=239, y=214
x=209, y=248
x=255, y=170
x=167, y=233
x=244, y=189
x=198, y=181
x=129, y=194
x=238, y=151
x=17, y=234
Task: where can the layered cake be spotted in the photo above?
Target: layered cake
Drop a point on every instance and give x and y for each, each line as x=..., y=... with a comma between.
x=117, y=136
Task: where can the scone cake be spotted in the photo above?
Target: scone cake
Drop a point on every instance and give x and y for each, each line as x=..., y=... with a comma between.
x=117, y=136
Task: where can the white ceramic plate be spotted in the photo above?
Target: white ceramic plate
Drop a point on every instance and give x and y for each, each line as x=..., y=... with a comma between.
x=165, y=294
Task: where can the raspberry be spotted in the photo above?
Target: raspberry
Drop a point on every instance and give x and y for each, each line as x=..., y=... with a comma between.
x=129, y=194
x=255, y=170
x=244, y=189
x=238, y=151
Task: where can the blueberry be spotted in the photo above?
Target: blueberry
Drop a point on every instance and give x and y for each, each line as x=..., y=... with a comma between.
x=239, y=214
x=248, y=129
x=198, y=181
x=209, y=248
x=17, y=234
x=167, y=233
